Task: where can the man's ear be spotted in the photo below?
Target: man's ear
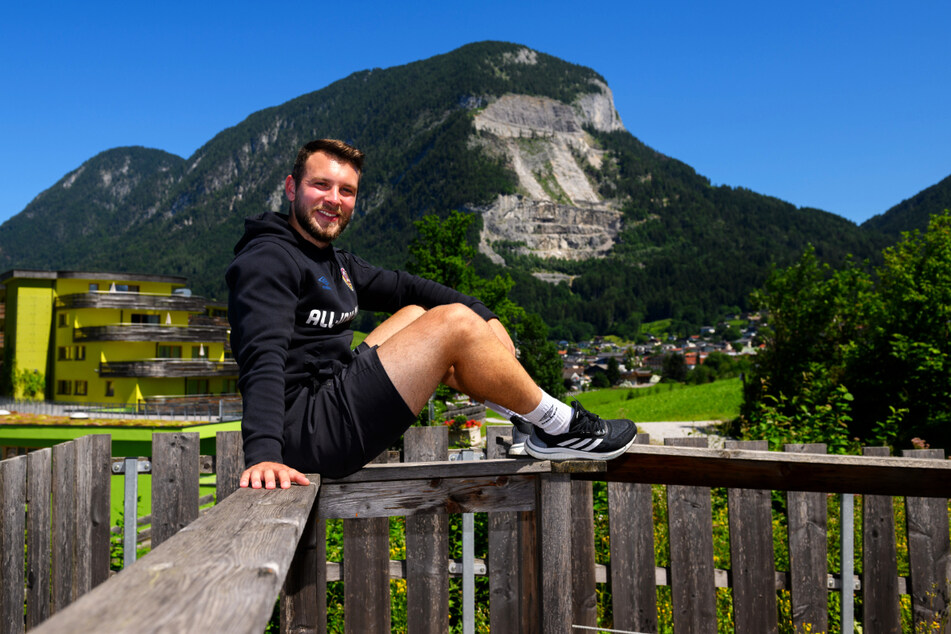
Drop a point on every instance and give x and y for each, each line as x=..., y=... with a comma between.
x=290, y=188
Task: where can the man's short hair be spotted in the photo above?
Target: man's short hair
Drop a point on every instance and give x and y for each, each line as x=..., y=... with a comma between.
x=337, y=149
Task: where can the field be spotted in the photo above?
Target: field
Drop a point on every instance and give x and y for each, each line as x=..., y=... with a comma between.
x=668, y=402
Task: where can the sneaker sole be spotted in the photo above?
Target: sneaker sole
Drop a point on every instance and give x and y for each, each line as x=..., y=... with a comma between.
x=562, y=453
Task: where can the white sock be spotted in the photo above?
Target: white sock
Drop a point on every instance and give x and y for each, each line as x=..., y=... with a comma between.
x=551, y=415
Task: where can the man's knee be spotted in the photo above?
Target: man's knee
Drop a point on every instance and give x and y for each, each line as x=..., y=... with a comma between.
x=455, y=315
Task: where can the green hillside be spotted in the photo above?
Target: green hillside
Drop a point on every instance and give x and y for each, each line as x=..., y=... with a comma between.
x=687, y=250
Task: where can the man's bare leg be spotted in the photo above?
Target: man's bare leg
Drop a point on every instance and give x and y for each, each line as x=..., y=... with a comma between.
x=418, y=353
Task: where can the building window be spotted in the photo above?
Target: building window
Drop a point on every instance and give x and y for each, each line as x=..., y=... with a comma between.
x=169, y=352
x=127, y=288
x=64, y=353
x=79, y=353
x=62, y=387
x=93, y=287
x=197, y=386
x=80, y=388
x=229, y=386
x=110, y=389
x=139, y=318
x=199, y=352
x=63, y=322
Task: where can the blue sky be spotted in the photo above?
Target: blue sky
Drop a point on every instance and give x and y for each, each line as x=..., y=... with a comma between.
x=842, y=106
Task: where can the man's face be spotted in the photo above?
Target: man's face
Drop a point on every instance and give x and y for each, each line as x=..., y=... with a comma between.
x=322, y=203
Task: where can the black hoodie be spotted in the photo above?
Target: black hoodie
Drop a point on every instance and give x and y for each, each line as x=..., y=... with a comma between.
x=290, y=305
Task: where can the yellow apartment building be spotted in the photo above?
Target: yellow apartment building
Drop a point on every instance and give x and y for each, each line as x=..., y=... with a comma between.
x=113, y=337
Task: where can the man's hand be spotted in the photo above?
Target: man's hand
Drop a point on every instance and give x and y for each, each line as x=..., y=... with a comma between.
x=503, y=335
x=269, y=474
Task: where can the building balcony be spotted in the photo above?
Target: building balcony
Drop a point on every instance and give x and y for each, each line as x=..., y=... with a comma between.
x=152, y=332
x=139, y=301
x=167, y=368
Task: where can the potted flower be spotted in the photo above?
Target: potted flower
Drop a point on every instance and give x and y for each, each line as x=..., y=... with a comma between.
x=464, y=432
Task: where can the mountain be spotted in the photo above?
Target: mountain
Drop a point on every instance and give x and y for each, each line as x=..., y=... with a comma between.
x=913, y=213
x=598, y=230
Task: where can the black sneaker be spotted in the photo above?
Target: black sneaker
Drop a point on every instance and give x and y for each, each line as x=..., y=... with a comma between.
x=588, y=436
x=521, y=430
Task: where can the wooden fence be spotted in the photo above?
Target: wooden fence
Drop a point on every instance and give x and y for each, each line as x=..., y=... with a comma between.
x=223, y=570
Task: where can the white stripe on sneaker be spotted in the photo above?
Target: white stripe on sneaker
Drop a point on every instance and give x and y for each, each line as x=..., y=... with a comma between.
x=580, y=444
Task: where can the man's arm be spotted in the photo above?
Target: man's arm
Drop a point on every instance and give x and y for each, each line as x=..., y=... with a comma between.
x=262, y=285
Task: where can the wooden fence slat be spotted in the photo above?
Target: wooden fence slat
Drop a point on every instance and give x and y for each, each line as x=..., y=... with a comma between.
x=82, y=556
x=12, y=542
x=690, y=522
x=304, y=594
x=584, y=586
x=38, y=545
x=929, y=559
x=751, y=554
x=366, y=573
x=64, y=536
x=553, y=509
x=808, y=550
x=174, y=483
x=631, y=527
x=222, y=574
x=100, y=462
x=528, y=579
x=505, y=560
x=881, y=607
x=427, y=542
x=229, y=463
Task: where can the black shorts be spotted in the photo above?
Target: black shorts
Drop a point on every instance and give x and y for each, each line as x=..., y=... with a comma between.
x=336, y=427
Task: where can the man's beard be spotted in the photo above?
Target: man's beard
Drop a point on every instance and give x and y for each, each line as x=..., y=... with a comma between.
x=309, y=224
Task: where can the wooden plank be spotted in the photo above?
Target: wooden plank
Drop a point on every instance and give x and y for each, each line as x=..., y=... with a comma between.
x=64, y=535
x=304, y=594
x=366, y=578
x=504, y=561
x=929, y=559
x=174, y=483
x=222, y=573
x=12, y=542
x=528, y=548
x=690, y=521
x=382, y=472
x=584, y=594
x=229, y=463
x=743, y=469
x=807, y=516
x=633, y=588
x=427, y=543
x=445, y=494
x=751, y=554
x=100, y=459
x=881, y=608
x=82, y=556
x=554, y=553
x=38, y=498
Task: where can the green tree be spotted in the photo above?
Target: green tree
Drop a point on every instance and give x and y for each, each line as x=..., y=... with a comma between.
x=674, y=367
x=848, y=348
x=442, y=252
x=614, y=371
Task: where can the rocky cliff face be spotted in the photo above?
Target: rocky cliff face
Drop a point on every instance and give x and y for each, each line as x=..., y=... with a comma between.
x=559, y=213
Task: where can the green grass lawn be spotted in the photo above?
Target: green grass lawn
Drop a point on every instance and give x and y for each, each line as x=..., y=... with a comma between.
x=668, y=402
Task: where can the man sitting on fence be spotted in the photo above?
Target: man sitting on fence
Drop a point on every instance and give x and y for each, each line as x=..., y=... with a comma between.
x=311, y=405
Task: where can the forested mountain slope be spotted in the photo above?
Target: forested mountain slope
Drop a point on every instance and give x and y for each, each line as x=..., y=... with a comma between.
x=529, y=142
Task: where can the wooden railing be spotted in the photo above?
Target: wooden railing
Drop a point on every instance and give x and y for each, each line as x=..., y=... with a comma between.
x=223, y=571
